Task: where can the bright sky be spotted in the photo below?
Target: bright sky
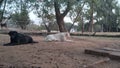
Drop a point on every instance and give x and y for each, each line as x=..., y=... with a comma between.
x=119, y=1
x=34, y=18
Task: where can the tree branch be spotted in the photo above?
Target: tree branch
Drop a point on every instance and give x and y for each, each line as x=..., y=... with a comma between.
x=1, y=2
x=67, y=9
x=1, y=17
x=57, y=9
x=78, y=14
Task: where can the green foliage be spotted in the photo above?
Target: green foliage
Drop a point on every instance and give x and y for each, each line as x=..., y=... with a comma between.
x=106, y=12
x=1, y=1
x=19, y=10
x=21, y=19
x=79, y=28
x=67, y=25
x=110, y=17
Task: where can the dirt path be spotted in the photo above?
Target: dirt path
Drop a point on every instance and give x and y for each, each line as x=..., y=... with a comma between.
x=56, y=54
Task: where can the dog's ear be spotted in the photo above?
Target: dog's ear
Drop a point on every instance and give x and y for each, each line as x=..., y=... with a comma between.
x=12, y=32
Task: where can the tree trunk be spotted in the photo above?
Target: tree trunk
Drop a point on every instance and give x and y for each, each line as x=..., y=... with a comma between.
x=47, y=28
x=60, y=17
x=1, y=17
x=71, y=27
x=91, y=19
x=78, y=14
x=102, y=27
x=61, y=24
x=82, y=25
x=1, y=2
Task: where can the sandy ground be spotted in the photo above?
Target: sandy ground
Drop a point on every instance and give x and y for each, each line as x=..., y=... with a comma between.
x=56, y=54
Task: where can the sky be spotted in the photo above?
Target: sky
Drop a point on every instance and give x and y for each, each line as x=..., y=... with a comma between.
x=119, y=1
x=36, y=20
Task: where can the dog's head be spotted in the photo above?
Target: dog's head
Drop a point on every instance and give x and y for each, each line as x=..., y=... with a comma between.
x=13, y=34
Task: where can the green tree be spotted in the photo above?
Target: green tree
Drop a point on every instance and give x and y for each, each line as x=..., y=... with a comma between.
x=92, y=5
x=21, y=17
x=1, y=1
x=76, y=14
x=107, y=12
x=60, y=16
x=2, y=11
x=103, y=11
x=45, y=13
x=59, y=9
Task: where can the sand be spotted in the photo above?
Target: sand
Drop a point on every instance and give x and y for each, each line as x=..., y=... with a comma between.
x=56, y=54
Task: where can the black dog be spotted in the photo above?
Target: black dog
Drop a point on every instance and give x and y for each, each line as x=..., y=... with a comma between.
x=18, y=38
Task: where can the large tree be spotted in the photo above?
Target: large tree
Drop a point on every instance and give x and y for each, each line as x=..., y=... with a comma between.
x=1, y=2
x=102, y=11
x=61, y=9
x=20, y=15
x=76, y=14
x=2, y=11
x=21, y=19
x=60, y=16
x=45, y=12
x=107, y=14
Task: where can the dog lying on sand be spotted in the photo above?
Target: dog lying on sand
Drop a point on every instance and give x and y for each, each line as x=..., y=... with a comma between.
x=63, y=36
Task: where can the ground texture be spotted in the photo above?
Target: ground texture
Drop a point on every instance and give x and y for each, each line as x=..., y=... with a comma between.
x=56, y=54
